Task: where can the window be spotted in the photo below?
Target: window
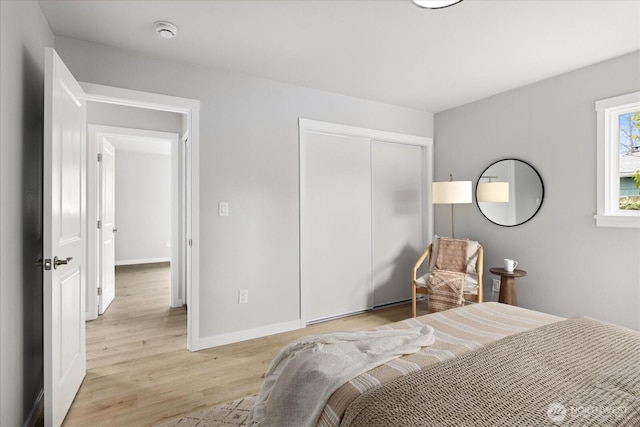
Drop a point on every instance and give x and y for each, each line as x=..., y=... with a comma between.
x=618, y=143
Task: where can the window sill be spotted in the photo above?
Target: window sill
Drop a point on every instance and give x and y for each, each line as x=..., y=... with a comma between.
x=628, y=219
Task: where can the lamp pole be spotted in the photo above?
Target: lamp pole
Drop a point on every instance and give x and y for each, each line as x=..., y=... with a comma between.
x=453, y=235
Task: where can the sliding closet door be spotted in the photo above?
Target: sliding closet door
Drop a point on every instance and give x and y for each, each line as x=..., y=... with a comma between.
x=396, y=173
x=335, y=225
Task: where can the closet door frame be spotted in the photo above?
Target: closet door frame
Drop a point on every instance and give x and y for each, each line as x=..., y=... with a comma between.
x=307, y=126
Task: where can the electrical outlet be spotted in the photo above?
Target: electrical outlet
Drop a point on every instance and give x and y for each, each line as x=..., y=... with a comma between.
x=243, y=296
x=496, y=285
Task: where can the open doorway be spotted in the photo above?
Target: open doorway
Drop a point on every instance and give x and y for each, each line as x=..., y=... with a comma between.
x=170, y=115
x=138, y=205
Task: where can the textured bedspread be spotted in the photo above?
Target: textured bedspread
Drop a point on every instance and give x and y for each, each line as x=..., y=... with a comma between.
x=457, y=331
x=570, y=373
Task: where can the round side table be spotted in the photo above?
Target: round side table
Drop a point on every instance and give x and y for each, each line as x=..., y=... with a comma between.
x=507, y=283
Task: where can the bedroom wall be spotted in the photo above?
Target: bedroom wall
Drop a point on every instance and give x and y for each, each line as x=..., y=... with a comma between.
x=24, y=34
x=248, y=158
x=573, y=267
x=143, y=207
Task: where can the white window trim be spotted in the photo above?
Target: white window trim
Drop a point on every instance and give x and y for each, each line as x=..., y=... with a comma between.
x=608, y=181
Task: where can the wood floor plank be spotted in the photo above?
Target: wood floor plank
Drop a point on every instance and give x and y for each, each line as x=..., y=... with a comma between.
x=140, y=373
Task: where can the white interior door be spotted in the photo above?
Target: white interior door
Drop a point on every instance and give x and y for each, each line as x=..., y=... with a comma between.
x=335, y=225
x=396, y=205
x=64, y=225
x=107, y=231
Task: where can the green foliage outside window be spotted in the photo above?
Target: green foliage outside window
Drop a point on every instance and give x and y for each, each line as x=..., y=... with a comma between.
x=630, y=143
x=629, y=204
x=632, y=203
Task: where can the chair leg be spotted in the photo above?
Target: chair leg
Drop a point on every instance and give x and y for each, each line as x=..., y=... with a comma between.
x=413, y=301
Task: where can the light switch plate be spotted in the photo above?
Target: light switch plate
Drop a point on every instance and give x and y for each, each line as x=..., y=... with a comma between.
x=243, y=296
x=496, y=285
x=223, y=209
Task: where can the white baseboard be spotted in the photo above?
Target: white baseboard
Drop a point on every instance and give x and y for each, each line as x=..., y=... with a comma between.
x=179, y=303
x=232, y=337
x=143, y=261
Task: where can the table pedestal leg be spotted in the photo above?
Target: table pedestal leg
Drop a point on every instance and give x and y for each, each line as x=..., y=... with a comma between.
x=507, y=290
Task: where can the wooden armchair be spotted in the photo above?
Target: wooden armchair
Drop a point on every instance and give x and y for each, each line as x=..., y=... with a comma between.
x=472, y=287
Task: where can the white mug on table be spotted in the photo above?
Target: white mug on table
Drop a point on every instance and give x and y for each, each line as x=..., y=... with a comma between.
x=510, y=264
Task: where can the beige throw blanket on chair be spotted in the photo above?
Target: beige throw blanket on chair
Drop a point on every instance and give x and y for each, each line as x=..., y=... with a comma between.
x=446, y=281
x=303, y=375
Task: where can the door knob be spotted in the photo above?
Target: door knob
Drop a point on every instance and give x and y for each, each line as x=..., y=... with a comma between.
x=57, y=262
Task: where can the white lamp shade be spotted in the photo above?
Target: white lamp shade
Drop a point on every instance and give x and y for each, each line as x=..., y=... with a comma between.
x=493, y=192
x=451, y=192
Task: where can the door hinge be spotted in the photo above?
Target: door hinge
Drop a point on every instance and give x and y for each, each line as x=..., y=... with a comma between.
x=190, y=242
x=99, y=223
x=99, y=292
x=99, y=157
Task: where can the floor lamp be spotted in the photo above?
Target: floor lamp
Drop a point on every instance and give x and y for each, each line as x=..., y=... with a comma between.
x=452, y=192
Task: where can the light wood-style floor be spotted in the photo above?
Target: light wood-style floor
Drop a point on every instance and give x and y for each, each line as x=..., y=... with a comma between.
x=139, y=372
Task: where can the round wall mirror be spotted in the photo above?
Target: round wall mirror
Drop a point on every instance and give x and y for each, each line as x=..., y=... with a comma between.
x=509, y=192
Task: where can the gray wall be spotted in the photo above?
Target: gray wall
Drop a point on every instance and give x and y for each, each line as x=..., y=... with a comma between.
x=574, y=268
x=143, y=206
x=249, y=158
x=24, y=34
x=100, y=113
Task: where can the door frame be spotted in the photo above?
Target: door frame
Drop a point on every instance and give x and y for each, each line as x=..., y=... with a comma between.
x=95, y=132
x=191, y=109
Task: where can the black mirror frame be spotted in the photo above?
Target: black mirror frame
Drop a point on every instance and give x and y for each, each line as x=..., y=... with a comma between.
x=532, y=215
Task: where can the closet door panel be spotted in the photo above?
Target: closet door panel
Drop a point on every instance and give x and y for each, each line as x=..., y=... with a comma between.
x=397, y=218
x=335, y=225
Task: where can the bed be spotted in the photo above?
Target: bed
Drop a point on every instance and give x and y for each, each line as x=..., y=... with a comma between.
x=489, y=364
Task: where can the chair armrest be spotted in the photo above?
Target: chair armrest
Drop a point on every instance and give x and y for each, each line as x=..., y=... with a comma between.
x=425, y=255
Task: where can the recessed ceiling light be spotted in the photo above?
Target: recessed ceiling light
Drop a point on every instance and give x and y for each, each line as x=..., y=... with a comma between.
x=435, y=4
x=166, y=29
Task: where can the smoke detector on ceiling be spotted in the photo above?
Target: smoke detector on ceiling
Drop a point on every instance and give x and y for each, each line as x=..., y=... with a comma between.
x=435, y=4
x=166, y=29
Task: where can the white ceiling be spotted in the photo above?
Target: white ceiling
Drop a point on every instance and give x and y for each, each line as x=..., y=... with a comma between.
x=140, y=144
x=385, y=50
